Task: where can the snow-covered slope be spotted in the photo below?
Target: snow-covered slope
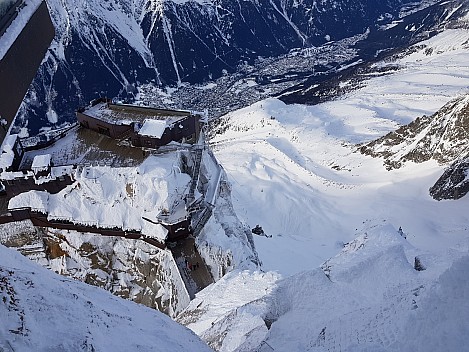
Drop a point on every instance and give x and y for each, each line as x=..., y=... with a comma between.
x=297, y=172
x=294, y=169
x=367, y=298
x=41, y=311
x=443, y=137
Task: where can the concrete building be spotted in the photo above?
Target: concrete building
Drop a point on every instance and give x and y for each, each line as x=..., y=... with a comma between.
x=142, y=126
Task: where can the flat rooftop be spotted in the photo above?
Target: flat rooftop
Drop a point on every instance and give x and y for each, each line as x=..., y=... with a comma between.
x=84, y=146
x=122, y=114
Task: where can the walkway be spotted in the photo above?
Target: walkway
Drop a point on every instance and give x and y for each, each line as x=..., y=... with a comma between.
x=198, y=278
x=196, y=172
x=40, y=219
x=212, y=190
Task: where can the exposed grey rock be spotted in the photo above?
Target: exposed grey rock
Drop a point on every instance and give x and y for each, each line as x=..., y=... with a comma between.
x=443, y=137
x=130, y=269
x=454, y=183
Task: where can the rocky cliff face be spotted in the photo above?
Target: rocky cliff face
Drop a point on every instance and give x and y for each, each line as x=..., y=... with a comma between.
x=130, y=269
x=42, y=311
x=443, y=137
x=454, y=183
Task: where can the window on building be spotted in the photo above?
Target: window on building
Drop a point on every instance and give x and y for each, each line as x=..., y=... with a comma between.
x=104, y=130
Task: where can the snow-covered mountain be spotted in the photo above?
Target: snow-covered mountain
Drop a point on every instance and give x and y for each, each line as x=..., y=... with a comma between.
x=384, y=42
x=295, y=169
x=112, y=47
x=337, y=274
x=42, y=311
x=372, y=296
x=443, y=137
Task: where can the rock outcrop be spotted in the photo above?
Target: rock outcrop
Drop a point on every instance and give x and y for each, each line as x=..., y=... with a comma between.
x=443, y=137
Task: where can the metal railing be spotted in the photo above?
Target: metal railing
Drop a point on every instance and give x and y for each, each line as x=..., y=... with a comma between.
x=46, y=139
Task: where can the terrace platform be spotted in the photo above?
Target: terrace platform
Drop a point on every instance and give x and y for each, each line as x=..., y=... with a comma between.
x=84, y=146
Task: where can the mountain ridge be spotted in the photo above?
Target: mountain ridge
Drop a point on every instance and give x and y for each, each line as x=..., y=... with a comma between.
x=111, y=48
x=443, y=137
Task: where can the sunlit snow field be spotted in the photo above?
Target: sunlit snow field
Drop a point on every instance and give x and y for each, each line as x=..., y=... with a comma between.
x=295, y=172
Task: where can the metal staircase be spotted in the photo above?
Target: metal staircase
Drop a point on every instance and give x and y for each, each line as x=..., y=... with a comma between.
x=195, y=176
x=199, y=223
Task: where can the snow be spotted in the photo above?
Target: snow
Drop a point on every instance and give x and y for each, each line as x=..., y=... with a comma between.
x=9, y=142
x=295, y=172
x=153, y=128
x=101, y=111
x=216, y=173
x=368, y=297
x=7, y=156
x=121, y=114
x=215, y=302
x=41, y=162
x=373, y=297
x=42, y=311
x=207, y=86
x=115, y=197
x=339, y=274
x=69, y=15
x=198, y=1
x=14, y=30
